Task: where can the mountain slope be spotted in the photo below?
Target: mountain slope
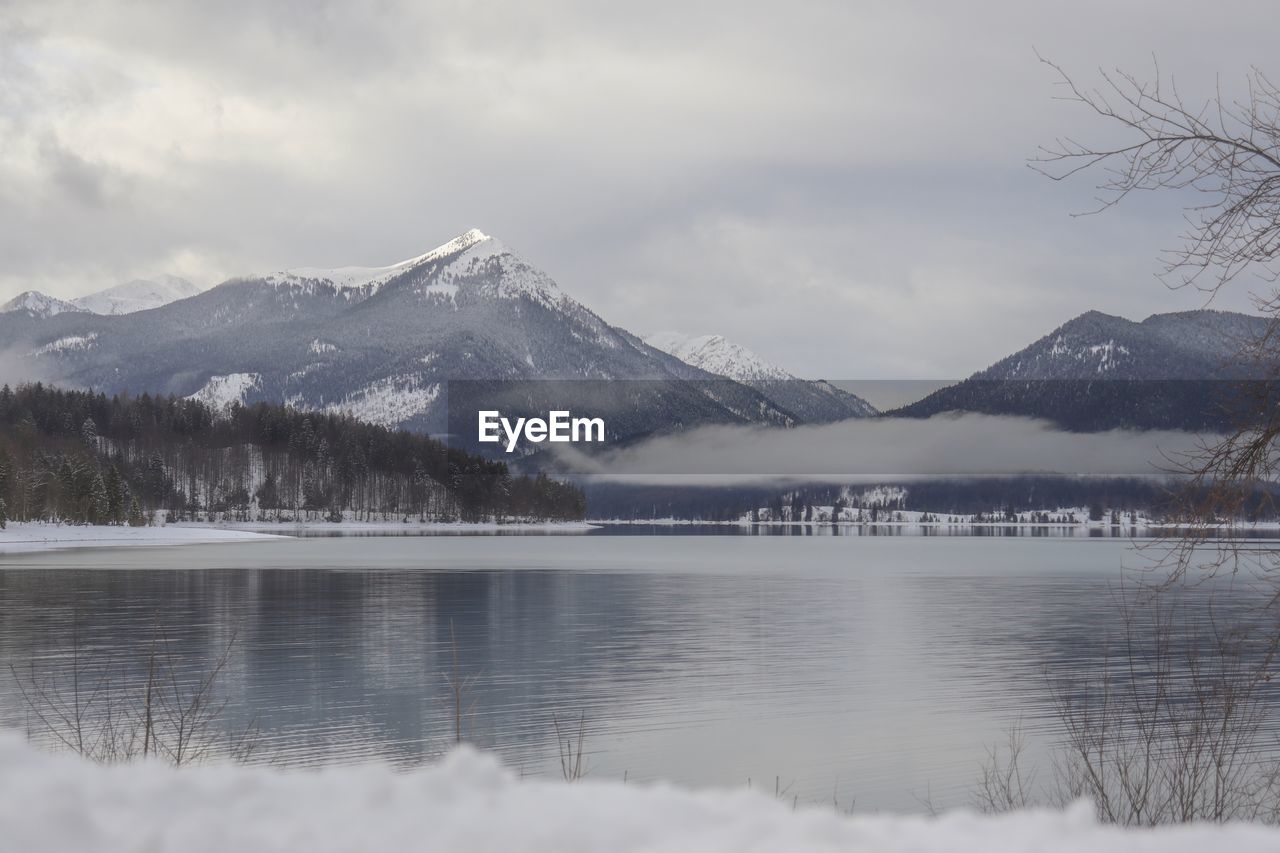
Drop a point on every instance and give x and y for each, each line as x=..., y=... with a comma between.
x=715, y=354
x=34, y=304
x=812, y=401
x=1171, y=371
x=384, y=343
x=137, y=295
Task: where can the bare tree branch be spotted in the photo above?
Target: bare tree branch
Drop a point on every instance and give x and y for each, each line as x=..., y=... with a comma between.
x=1226, y=151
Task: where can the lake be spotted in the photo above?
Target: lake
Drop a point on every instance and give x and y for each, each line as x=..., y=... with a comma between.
x=859, y=668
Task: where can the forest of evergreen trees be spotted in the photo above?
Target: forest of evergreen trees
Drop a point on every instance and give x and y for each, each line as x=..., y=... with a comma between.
x=83, y=457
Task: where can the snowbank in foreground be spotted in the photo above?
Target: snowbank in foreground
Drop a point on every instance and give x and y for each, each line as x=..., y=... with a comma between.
x=31, y=536
x=59, y=804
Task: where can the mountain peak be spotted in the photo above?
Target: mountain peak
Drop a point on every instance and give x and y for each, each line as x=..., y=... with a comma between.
x=1097, y=316
x=38, y=304
x=813, y=402
x=464, y=241
x=140, y=294
x=1206, y=314
x=353, y=278
x=716, y=354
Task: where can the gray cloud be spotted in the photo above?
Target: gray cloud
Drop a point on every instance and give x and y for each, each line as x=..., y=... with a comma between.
x=838, y=186
x=82, y=182
x=887, y=449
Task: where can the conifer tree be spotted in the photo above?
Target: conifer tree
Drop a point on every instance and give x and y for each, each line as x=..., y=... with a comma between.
x=136, y=518
x=99, y=504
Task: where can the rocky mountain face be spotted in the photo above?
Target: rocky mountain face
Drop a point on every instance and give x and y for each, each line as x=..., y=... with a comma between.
x=1186, y=370
x=386, y=344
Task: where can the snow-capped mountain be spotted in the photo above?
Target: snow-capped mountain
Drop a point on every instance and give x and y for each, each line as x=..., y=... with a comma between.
x=812, y=401
x=34, y=304
x=716, y=354
x=1098, y=371
x=1184, y=345
x=384, y=342
x=371, y=278
x=138, y=295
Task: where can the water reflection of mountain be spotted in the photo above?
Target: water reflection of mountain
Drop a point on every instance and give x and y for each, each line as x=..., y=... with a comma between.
x=883, y=664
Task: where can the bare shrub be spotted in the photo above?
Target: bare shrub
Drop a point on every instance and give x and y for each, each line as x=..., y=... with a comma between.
x=1169, y=729
x=570, y=748
x=1172, y=732
x=1005, y=784
x=1221, y=148
x=88, y=707
x=460, y=688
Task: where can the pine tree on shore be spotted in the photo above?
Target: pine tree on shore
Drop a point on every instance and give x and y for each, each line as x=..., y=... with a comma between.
x=136, y=518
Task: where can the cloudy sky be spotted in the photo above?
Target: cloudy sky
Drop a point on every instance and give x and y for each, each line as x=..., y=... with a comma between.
x=840, y=186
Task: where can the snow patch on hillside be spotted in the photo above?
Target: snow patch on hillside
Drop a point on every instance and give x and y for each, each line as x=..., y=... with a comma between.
x=499, y=273
x=468, y=802
x=873, y=495
x=446, y=291
x=1108, y=355
x=307, y=370
x=221, y=392
x=388, y=402
x=67, y=344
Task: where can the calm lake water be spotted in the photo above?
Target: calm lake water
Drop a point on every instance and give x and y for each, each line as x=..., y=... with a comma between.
x=876, y=669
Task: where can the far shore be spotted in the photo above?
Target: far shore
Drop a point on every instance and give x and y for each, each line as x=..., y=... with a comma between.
x=27, y=537
x=1141, y=524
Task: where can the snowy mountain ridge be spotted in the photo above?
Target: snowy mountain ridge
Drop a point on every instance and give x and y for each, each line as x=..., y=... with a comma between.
x=140, y=294
x=384, y=343
x=355, y=277
x=716, y=354
x=37, y=304
x=467, y=255
x=811, y=401
x=1099, y=371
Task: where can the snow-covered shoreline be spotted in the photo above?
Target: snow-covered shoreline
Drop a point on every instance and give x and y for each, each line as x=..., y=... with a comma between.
x=63, y=804
x=26, y=537
x=287, y=528
x=29, y=536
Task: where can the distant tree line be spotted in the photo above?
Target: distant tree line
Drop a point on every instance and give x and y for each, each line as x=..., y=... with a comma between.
x=1003, y=497
x=84, y=457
